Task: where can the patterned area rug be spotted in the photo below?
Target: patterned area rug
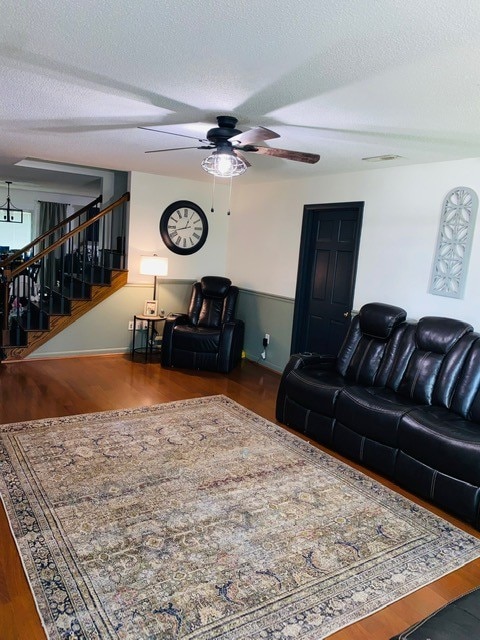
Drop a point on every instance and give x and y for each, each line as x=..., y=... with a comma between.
x=199, y=519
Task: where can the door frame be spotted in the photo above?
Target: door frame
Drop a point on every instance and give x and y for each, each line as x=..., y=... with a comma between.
x=305, y=264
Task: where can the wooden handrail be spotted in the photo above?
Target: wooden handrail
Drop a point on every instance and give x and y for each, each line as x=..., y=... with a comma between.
x=67, y=236
x=8, y=274
x=44, y=235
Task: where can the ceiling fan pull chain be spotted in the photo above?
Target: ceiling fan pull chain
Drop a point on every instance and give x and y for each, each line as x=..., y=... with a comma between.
x=212, y=209
x=229, y=196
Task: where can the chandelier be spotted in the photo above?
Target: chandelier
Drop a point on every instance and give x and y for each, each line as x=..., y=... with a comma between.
x=9, y=213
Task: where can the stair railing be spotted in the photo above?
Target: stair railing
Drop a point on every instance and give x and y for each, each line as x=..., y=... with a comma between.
x=60, y=265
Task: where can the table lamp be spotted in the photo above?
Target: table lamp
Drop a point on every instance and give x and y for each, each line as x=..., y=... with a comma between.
x=153, y=266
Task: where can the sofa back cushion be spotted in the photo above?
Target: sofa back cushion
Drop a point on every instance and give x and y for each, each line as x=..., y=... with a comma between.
x=452, y=366
x=434, y=339
x=367, y=341
x=466, y=396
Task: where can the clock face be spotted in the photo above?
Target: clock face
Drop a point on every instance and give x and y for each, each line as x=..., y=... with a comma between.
x=183, y=227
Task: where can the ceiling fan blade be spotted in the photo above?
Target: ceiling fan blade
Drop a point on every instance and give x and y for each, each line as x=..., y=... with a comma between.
x=170, y=133
x=176, y=149
x=298, y=156
x=256, y=134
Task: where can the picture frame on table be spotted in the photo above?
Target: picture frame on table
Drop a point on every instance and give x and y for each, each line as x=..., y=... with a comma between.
x=150, y=308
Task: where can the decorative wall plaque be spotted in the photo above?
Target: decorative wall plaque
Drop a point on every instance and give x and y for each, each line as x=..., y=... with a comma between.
x=455, y=235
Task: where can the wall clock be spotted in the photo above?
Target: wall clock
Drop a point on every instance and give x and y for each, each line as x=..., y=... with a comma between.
x=184, y=227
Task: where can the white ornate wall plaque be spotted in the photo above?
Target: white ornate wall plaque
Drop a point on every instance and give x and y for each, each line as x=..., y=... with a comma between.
x=455, y=235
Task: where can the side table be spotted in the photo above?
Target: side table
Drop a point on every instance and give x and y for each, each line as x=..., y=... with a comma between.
x=147, y=347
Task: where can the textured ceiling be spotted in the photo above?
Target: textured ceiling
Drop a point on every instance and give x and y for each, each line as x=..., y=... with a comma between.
x=343, y=78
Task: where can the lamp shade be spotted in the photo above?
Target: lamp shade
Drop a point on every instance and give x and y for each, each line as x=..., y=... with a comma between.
x=153, y=266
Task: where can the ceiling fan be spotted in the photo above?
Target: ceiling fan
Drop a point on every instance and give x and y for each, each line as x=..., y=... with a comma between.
x=229, y=144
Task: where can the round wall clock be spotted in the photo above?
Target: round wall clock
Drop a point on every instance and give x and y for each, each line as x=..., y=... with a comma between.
x=184, y=227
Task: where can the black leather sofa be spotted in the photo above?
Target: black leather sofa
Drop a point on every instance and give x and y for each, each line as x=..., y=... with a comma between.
x=400, y=397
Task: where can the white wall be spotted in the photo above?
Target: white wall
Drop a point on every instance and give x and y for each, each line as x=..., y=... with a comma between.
x=400, y=225
x=149, y=197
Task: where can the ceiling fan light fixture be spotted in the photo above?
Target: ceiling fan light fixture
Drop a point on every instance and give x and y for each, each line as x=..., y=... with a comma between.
x=224, y=164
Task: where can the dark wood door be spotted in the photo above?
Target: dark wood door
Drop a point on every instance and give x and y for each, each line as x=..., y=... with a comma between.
x=326, y=276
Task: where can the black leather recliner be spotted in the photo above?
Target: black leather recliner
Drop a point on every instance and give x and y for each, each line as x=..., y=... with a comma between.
x=208, y=337
x=311, y=383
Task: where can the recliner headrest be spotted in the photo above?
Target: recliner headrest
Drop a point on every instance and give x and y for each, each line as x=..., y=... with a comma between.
x=378, y=320
x=439, y=334
x=215, y=286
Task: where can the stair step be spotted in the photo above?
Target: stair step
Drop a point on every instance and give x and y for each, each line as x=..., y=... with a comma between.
x=18, y=336
x=74, y=289
x=54, y=303
x=33, y=319
x=36, y=326
x=92, y=274
x=98, y=275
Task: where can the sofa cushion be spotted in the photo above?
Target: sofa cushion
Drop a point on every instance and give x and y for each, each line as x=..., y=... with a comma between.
x=197, y=339
x=466, y=396
x=315, y=389
x=442, y=440
x=374, y=412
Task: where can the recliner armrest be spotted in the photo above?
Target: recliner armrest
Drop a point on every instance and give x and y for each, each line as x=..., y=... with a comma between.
x=171, y=321
x=176, y=318
x=231, y=345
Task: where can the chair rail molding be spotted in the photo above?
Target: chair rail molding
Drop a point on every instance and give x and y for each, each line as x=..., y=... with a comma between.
x=454, y=241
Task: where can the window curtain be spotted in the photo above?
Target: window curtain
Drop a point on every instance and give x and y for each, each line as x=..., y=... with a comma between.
x=51, y=213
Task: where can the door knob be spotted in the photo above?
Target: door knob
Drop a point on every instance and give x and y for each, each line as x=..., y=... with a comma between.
x=346, y=314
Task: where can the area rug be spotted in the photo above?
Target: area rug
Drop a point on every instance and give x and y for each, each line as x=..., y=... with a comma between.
x=199, y=519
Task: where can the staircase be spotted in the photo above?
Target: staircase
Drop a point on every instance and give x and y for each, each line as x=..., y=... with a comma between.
x=60, y=276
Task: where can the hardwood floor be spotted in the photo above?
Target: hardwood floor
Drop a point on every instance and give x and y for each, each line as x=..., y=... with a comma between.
x=58, y=387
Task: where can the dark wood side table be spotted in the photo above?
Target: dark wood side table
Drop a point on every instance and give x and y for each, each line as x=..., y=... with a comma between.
x=149, y=345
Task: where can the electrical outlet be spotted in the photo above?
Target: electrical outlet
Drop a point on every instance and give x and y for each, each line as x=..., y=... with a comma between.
x=130, y=325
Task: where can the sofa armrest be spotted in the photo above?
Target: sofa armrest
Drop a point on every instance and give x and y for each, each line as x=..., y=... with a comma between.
x=231, y=345
x=176, y=318
x=300, y=361
x=308, y=359
x=171, y=321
